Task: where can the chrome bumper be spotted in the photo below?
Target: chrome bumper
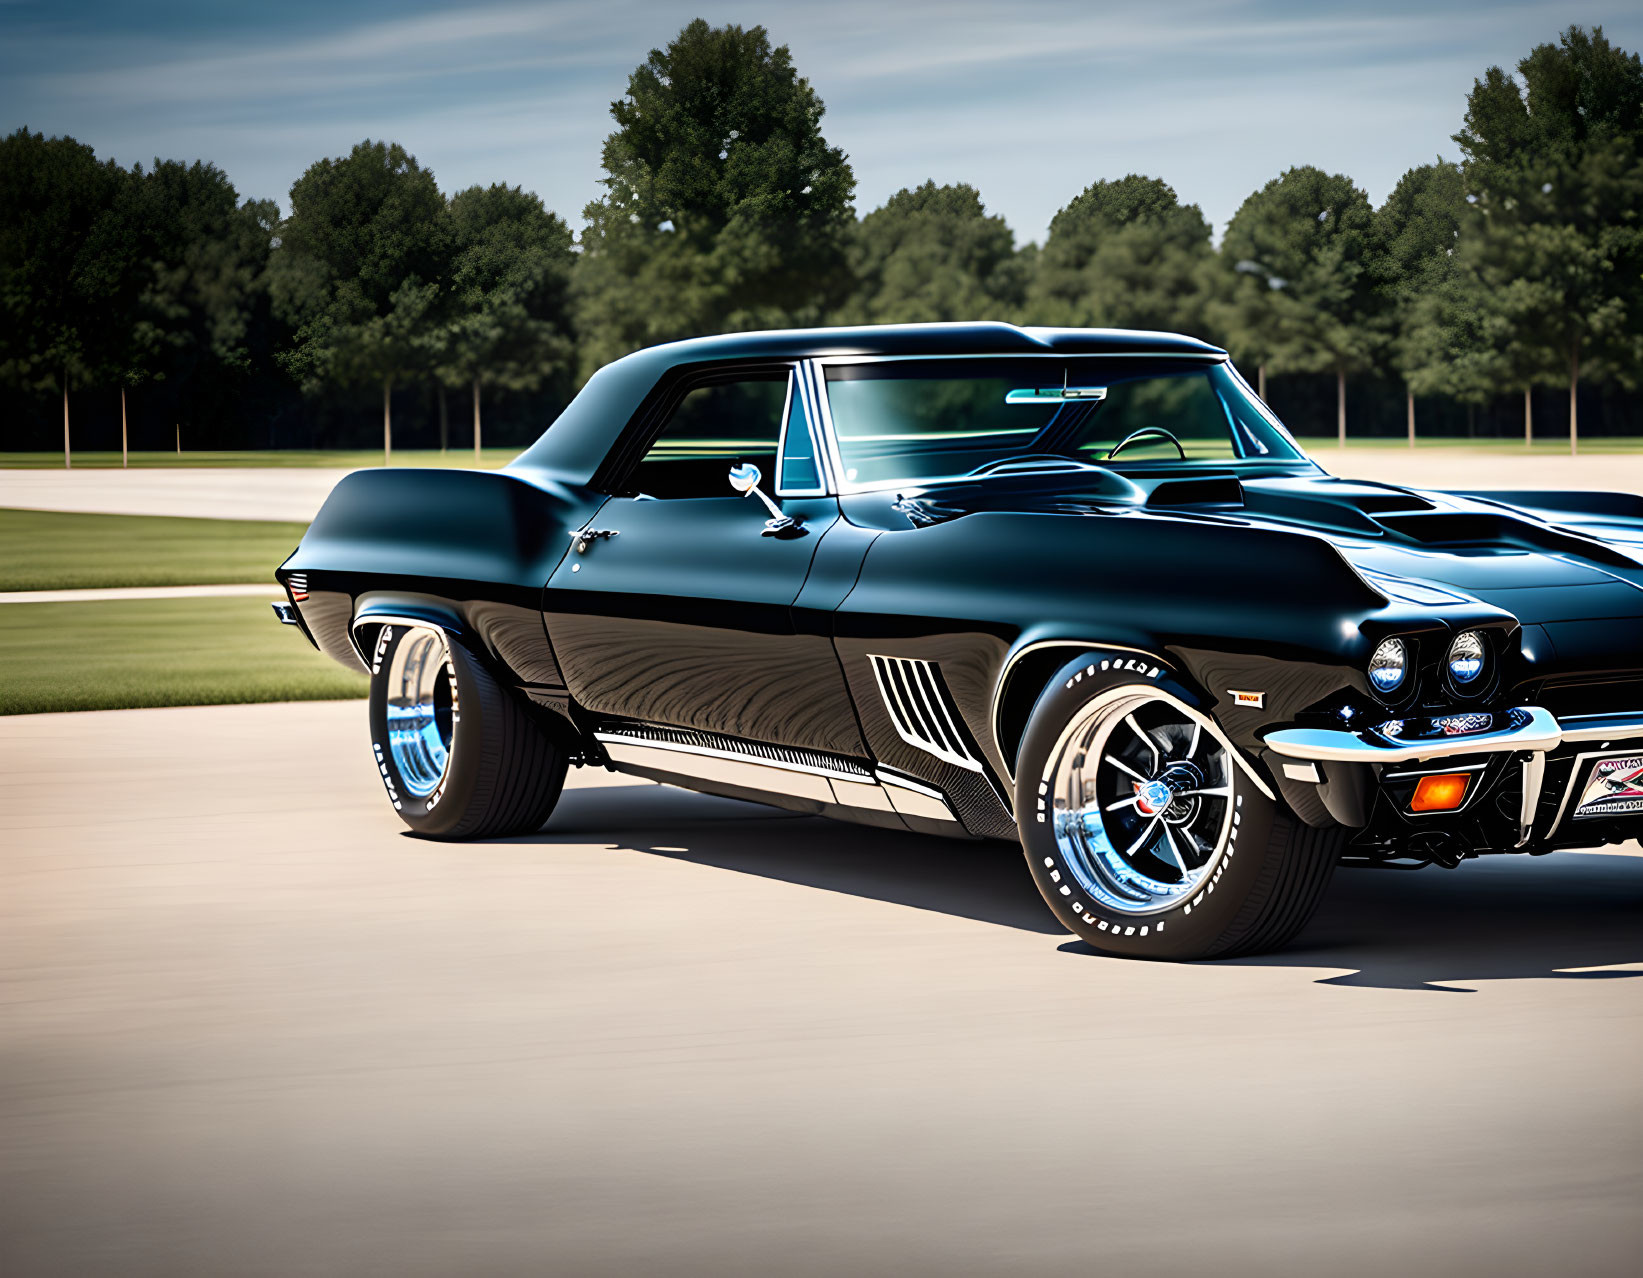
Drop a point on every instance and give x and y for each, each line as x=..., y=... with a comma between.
x=1532, y=730
x=1535, y=729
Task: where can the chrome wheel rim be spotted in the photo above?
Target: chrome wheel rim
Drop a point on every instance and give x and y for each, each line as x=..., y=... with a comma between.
x=421, y=704
x=1143, y=803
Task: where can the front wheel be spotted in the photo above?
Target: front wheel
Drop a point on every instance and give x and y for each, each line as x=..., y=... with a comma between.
x=1147, y=837
x=460, y=756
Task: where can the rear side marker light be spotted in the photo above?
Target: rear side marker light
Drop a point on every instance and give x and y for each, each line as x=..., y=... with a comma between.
x=1442, y=793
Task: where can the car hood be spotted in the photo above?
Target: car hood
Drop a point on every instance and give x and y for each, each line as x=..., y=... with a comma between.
x=1544, y=557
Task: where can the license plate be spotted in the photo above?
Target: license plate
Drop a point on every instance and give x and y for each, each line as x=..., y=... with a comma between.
x=1613, y=787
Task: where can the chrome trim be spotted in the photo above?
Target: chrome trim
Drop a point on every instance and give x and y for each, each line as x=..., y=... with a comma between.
x=392, y=619
x=914, y=798
x=1542, y=732
x=863, y=795
x=922, y=709
x=1534, y=777
x=1431, y=772
x=285, y=613
x=1602, y=727
x=1014, y=658
x=1303, y=772
x=722, y=766
x=879, y=791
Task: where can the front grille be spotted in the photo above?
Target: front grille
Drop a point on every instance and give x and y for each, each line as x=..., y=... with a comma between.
x=1592, y=696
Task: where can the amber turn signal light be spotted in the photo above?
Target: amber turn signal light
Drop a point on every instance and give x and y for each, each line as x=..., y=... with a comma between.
x=1443, y=793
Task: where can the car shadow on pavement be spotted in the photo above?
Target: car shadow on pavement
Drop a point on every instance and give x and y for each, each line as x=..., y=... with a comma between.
x=982, y=881
x=1500, y=918
x=1493, y=919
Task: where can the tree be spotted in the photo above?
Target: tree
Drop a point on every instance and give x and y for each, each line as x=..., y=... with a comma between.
x=932, y=253
x=201, y=258
x=724, y=207
x=1555, y=167
x=507, y=322
x=1413, y=244
x=60, y=252
x=1305, y=236
x=1124, y=254
x=357, y=272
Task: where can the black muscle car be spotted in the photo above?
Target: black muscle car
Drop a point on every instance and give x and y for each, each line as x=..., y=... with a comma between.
x=1074, y=588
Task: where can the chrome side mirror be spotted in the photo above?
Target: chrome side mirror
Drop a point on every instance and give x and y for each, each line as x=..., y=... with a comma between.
x=745, y=480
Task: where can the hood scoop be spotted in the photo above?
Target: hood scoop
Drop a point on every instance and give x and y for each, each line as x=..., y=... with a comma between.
x=1462, y=528
x=1201, y=490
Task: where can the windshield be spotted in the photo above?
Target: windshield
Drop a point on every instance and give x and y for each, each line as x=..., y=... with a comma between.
x=902, y=420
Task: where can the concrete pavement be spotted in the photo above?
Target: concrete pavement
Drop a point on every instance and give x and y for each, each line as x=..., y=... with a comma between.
x=238, y=492
x=296, y=493
x=248, y=1026
x=103, y=594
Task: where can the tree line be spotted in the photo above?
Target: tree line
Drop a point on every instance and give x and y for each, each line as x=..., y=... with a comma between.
x=725, y=208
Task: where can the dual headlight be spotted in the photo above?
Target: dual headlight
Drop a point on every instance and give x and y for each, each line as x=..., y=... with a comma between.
x=1465, y=663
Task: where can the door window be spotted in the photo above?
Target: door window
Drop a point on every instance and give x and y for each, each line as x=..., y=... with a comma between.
x=714, y=428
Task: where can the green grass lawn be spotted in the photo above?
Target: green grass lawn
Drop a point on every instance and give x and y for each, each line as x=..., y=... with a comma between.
x=49, y=550
x=351, y=459
x=158, y=652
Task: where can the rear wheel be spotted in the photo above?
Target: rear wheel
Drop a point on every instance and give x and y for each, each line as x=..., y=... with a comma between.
x=461, y=757
x=1147, y=836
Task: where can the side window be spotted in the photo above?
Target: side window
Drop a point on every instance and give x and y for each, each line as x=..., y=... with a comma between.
x=714, y=428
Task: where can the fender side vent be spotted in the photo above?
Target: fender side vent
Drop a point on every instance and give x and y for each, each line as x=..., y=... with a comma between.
x=298, y=581
x=922, y=709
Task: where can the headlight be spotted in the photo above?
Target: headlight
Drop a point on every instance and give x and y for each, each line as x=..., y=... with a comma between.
x=1388, y=665
x=1466, y=656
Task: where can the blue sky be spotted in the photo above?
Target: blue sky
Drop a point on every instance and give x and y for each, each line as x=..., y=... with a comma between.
x=1029, y=101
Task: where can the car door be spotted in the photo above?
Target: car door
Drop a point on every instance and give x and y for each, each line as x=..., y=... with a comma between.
x=675, y=607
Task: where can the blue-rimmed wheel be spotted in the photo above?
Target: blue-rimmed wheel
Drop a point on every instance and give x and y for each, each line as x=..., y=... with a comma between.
x=460, y=755
x=1146, y=832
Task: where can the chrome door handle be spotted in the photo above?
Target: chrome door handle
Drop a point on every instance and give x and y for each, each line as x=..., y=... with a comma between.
x=585, y=537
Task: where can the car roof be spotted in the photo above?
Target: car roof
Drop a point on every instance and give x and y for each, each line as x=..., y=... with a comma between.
x=574, y=445
x=978, y=338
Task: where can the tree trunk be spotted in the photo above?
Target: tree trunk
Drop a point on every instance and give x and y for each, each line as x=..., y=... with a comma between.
x=1409, y=398
x=387, y=421
x=68, y=461
x=1260, y=381
x=477, y=444
x=125, y=452
x=179, y=439
x=1574, y=409
x=444, y=422
x=1340, y=404
x=1528, y=419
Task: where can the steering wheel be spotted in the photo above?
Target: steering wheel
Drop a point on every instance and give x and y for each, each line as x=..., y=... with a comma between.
x=1016, y=459
x=1144, y=433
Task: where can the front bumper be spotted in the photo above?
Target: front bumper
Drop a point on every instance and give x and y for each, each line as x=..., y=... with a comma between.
x=1532, y=732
